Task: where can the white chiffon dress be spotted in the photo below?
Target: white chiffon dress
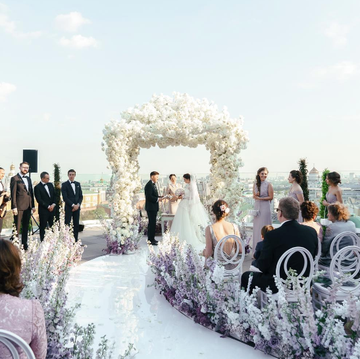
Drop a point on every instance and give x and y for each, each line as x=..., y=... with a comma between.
x=191, y=219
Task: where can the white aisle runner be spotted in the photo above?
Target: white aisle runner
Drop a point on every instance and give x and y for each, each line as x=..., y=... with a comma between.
x=114, y=294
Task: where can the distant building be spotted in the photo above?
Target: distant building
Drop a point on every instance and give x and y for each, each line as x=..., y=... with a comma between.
x=314, y=176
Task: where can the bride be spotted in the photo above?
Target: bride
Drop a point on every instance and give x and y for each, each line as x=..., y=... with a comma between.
x=191, y=217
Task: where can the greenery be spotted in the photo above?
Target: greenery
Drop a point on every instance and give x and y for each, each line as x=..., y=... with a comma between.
x=57, y=188
x=324, y=190
x=97, y=213
x=304, y=172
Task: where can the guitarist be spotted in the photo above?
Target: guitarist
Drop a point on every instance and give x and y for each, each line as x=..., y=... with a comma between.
x=4, y=198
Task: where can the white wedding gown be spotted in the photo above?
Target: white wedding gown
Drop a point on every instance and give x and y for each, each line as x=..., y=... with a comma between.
x=191, y=218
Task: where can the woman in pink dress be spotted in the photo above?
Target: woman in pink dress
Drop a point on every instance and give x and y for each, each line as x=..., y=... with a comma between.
x=22, y=317
x=295, y=190
x=263, y=193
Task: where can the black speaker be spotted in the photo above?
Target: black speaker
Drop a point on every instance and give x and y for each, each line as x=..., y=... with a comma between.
x=31, y=156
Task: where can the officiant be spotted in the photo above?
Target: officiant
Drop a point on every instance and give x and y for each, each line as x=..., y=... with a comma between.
x=170, y=190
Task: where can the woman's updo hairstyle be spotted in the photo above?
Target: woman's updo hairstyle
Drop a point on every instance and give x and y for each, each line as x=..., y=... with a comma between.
x=339, y=211
x=334, y=178
x=187, y=176
x=221, y=209
x=172, y=175
x=297, y=175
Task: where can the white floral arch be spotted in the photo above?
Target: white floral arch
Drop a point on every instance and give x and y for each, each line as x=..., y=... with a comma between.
x=171, y=121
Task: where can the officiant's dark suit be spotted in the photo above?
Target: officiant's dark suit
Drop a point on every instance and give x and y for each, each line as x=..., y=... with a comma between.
x=22, y=201
x=152, y=207
x=45, y=196
x=290, y=234
x=72, y=196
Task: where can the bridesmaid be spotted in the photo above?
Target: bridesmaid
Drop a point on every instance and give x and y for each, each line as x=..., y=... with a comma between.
x=334, y=193
x=170, y=190
x=295, y=190
x=263, y=194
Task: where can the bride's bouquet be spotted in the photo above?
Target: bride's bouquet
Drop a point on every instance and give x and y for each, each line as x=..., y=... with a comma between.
x=179, y=192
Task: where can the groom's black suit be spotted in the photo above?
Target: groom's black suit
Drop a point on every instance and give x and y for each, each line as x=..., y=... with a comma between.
x=290, y=234
x=151, y=207
x=44, y=201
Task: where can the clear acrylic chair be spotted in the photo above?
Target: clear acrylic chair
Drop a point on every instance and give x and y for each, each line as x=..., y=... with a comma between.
x=10, y=340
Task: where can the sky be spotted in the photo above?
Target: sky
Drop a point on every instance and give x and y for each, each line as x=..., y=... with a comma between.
x=291, y=69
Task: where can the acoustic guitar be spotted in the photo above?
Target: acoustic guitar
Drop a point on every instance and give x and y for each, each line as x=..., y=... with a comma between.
x=3, y=204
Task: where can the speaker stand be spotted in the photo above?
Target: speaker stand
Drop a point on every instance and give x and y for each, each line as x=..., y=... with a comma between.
x=38, y=227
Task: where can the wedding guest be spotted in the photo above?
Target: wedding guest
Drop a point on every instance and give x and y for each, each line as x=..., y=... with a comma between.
x=309, y=211
x=338, y=214
x=22, y=201
x=220, y=229
x=45, y=197
x=296, y=191
x=170, y=190
x=290, y=234
x=22, y=317
x=334, y=193
x=259, y=246
x=72, y=196
x=263, y=194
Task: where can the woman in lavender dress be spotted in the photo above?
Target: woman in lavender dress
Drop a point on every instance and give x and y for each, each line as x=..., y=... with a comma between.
x=334, y=193
x=263, y=194
x=295, y=190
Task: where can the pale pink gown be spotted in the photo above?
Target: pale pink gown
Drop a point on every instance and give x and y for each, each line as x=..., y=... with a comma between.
x=25, y=318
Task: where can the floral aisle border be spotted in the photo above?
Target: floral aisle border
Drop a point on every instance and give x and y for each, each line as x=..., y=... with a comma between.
x=283, y=329
x=169, y=121
x=45, y=271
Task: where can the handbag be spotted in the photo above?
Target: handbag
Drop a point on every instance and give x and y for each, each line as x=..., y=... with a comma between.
x=254, y=212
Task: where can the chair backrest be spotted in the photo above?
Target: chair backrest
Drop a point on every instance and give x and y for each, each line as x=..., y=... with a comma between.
x=233, y=262
x=308, y=264
x=349, y=255
x=351, y=238
x=9, y=339
x=317, y=257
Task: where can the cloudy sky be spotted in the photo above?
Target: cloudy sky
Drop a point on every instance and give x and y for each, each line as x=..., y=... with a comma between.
x=291, y=69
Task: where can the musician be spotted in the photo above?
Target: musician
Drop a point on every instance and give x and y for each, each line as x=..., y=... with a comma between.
x=45, y=196
x=22, y=201
x=4, y=198
x=72, y=196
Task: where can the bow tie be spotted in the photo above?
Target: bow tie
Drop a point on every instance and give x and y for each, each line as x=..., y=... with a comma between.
x=44, y=184
x=24, y=176
x=72, y=182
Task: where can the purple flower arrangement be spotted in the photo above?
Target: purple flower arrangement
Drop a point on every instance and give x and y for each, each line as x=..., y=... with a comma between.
x=45, y=270
x=282, y=328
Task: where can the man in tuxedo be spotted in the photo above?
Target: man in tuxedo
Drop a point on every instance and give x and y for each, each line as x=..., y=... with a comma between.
x=4, y=198
x=290, y=234
x=152, y=199
x=45, y=196
x=22, y=201
x=72, y=196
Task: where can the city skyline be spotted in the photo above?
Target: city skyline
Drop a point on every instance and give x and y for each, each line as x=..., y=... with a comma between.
x=293, y=74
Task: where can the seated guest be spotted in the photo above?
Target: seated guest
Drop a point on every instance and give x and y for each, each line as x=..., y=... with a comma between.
x=220, y=229
x=309, y=211
x=22, y=317
x=290, y=234
x=338, y=214
x=259, y=246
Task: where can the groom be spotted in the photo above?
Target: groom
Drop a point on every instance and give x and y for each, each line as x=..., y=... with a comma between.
x=152, y=205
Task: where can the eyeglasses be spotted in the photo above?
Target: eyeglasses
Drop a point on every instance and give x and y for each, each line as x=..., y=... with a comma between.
x=277, y=209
